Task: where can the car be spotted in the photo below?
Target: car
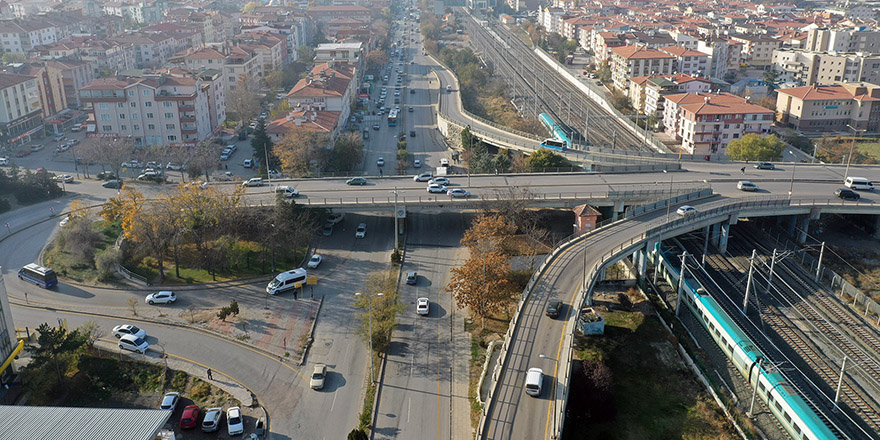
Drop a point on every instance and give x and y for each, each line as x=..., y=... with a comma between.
x=66, y=178
x=190, y=417
x=745, y=185
x=4, y=161
x=151, y=176
x=847, y=194
x=436, y=188
x=62, y=148
x=458, y=192
x=254, y=181
x=286, y=191
x=417, y=163
x=444, y=162
x=397, y=93
x=127, y=329
x=440, y=181
x=412, y=277
x=234, y=421
x=534, y=381
x=274, y=173
x=361, y=231
x=161, y=297
x=412, y=91
x=106, y=175
x=376, y=127
x=336, y=217
x=133, y=343
x=76, y=128
x=380, y=162
x=410, y=109
x=73, y=141
x=212, y=419
x=225, y=155
x=315, y=261
x=175, y=166
x=686, y=210
x=248, y=163
x=22, y=153
x=319, y=374
x=58, y=137
x=356, y=181
x=423, y=306
x=115, y=184
x=553, y=308
x=64, y=221
x=134, y=163
x=169, y=401
x=154, y=165
x=765, y=166
x=424, y=177
x=327, y=230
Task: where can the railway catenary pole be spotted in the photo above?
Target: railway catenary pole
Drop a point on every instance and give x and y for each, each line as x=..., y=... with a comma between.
x=770, y=277
x=839, y=384
x=755, y=389
x=819, y=264
x=705, y=247
x=680, y=282
x=749, y=282
x=587, y=126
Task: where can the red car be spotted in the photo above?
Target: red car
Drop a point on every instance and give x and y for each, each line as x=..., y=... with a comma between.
x=23, y=153
x=190, y=417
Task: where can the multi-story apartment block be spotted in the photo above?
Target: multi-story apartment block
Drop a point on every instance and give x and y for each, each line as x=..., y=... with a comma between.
x=73, y=75
x=269, y=48
x=150, y=49
x=806, y=68
x=143, y=11
x=724, y=56
x=687, y=61
x=757, y=49
x=706, y=123
x=860, y=12
x=51, y=99
x=647, y=92
x=324, y=14
x=10, y=347
x=154, y=110
x=235, y=62
x=603, y=43
x=20, y=36
x=339, y=52
x=822, y=108
x=306, y=119
x=328, y=87
x=843, y=40
x=20, y=111
x=684, y=39
x=630, y=61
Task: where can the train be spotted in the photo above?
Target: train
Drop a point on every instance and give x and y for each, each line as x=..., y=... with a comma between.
x=784, y=401
x=560, y=140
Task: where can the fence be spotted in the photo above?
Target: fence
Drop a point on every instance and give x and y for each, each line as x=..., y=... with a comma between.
x=644, y=209
x=122, y=270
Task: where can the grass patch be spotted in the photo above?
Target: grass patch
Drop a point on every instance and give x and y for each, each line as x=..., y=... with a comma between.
x=656, y=396
x=871, y=149
x=63, y=264
x=365, y=419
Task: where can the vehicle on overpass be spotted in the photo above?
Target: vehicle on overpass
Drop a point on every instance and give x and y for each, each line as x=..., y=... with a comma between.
x=560, y=140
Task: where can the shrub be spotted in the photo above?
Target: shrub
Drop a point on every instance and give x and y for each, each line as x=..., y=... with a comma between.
x=396, y=256
x=4, y=205
x=105, y=263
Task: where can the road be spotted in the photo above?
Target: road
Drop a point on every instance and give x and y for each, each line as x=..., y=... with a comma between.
x=417, y=390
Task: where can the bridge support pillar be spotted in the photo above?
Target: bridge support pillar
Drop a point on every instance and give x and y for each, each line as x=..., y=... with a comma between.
x=802, y=229
x=791, y=225
x=617, y=209
x=723, y=236
x=876, y=226
x=714, y=234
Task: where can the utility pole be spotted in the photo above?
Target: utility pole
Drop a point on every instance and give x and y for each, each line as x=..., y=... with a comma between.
x=755, y=389
x=705, y=247
x=614, y=139
x=819, y=264
x=839, y=383
x=749, y=282
x=680, y=283
x=770, y=277
x=587, y=126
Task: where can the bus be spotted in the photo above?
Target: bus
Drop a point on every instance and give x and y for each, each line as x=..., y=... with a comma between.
x=392, y=117
x=39, y=275
x=554, y=144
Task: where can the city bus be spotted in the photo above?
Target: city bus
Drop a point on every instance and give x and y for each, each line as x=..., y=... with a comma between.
x=39, y=275
x=392, y=117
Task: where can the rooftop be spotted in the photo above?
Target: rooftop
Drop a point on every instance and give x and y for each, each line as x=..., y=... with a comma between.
x=49, y=422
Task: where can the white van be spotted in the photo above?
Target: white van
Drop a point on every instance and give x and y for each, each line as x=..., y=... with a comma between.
x=534, y=381
x=286, y=191
x=286, y=281
x=859, y=183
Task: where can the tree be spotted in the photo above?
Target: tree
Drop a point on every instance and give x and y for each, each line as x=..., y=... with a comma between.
x=544, y=159
x=299, y=148
x=262, y=144
x=375, y=59
x=347, y=151
x=281, y=109
x=358, y=434
x=754, y=147
x=147, y=223
x=304, y=54
x=107, y=151
x=10, y=58
x=53, y=344
x=202, y=160
x=78, y=240
x=249, y=7
x=770, y=77
x=92, y=332
x=243, y=101
x=198, y=214
x=274, y=79
x=231, y=309
x=383, y=309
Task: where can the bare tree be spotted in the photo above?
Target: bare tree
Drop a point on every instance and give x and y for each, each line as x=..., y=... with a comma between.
x=107, y=151
x=243, y=101
x=201, y=160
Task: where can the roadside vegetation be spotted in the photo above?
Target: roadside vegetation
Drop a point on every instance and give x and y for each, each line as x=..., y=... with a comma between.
x=479, y=160
x=26, y=187
x=84, y=249
x=755, y=147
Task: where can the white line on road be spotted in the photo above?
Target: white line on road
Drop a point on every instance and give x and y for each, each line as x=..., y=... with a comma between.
x=408, y=405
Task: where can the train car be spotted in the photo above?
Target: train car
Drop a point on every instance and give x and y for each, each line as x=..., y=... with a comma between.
x=790, y=409
x=556, y=131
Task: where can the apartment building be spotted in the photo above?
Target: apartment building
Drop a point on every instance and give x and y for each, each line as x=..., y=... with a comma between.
x=824, y=108
x=328, y=87
x=706, y=123
x=155, y=109
x=270, y=50
x=235, y=62
x=51, y=98
x=324, y=14
x=630, y=61
x=20, y=36
x=687, y=61
x=71, y=75
x=339, y=52
x=647, y=92
x=757, y=49
x=805, y=68
x=150, y=49
x=856, y=39
x=9, y=349
x=724, y=56
x=21, y=111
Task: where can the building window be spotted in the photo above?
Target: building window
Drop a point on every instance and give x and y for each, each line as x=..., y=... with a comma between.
x=105, y=117
x=106, y=128
x=149, y=116
x=131, y=93
x=123, y=127
x=146, y=93
x=135, y=116
x=132, y=104
x=170, y=126
x=122, y=116
x=135, y=127
x=169, y=115
x=148, y=104
x=103, y=106
x=172, y=137
x=166, y=104
x=151, y=127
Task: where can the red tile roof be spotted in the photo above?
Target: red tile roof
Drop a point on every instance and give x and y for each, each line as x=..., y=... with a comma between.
x=637, y=52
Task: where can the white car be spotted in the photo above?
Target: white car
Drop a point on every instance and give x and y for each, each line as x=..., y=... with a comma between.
x=437, y=189
x=161, y=297
x=170, y=401
x=234, y=421
x=127, y=329
x=440, y=181
x=315, y=261
x=255, y=181
x=174, y=166
x=745, y=185
x=361, y=231
x=424, y=177
x=423, y=306
x=64, y=222
x=380, y=162
x=211, y=422
x=66, y=178
x=319, y=374
x=417, y=163
x=458, y=192
x=133, y=343
x=686, y=210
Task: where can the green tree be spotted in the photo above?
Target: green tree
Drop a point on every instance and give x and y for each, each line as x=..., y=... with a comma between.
x=604, y=73
x=358, y=434
x=249, y=7
x=9, y=58
x=347, y=151
x=54, y=344
x=754, y=147
x=770, y=77
x=274, y=80
x=384, y=308
x=501, y=162
x=231, y=309
x=262, y=144
x=543, y=159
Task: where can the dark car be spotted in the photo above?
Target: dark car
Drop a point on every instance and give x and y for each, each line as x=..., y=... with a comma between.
x=242, y=135
x=356, y=181
x=112, y=184
x=847, y=194
x=553, y=308
x=106, y=175
x=765, y=166
x=412, y=133
x=412, y=277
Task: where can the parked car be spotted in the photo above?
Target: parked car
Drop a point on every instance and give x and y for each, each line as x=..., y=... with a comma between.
x=327, y=230
x=133, y=343
x=376, y=127
x=190, y=417
x=436, y=188
x=234, y=421
x=847, y=194
x=66, y=178
x=115, y=184
x=161, y=297
x=336, y=217
x=745, y=185
x=412, y=133
x=361, y=231
x=423, y=306
x=315, y=261
x=127, y=329
x=248, y=163
x=22, y=153
x=134, y=163
x=458, y=192
x=356, y=181
x=212, y=419
x=169, y=401
x=319, y=374
x=686, y=210
x=4, y=161
x=765, y=166
x=175, y=166
x=106, y=175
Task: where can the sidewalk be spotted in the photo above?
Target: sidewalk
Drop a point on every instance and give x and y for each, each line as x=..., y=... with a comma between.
x=461, y=357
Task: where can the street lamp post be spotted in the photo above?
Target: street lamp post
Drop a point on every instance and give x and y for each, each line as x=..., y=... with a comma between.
x=793, y=168
x=394, y=216
x=851, y=148
x=370, y=328
x=669, y=199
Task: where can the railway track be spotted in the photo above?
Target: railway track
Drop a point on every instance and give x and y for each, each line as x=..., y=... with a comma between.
x=518, y=64
x=781, y=324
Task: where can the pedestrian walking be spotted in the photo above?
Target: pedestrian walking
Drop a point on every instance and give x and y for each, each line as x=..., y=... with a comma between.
x=25, y=298
x=742, y=171
x=210, y=374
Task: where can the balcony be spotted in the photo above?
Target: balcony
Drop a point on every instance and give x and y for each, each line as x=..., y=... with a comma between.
x=187, y=118
x=188, y=130
x=165, y=95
